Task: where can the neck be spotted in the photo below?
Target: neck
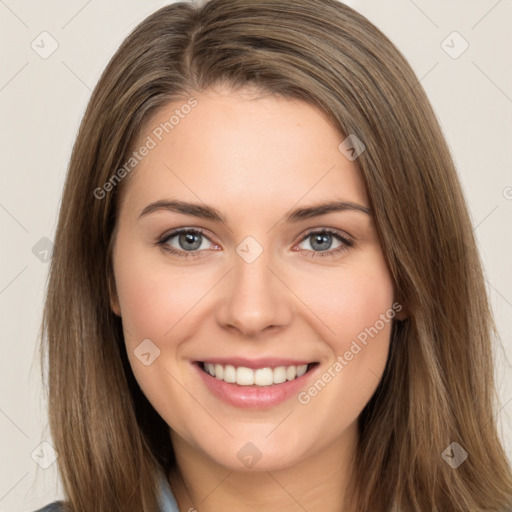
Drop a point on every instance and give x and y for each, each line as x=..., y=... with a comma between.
x=319, y=482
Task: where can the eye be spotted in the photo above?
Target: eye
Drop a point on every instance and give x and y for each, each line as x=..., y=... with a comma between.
x=186, y=242
x=321, y=241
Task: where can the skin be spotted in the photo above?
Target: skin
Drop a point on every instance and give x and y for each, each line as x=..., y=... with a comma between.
x=254, y=159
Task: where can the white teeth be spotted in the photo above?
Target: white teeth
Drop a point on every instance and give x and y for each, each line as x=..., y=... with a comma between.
x=264, y=377
x=279, y=374
x=291, y=372
x=301, y=370
x=244, y=376
x=261, y=377
x=219, y=372
x=229, y=373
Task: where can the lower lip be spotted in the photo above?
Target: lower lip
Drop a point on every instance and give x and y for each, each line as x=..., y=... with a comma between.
x=254, y=397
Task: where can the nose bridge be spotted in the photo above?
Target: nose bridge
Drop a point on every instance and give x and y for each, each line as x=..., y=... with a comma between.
x=255, y=298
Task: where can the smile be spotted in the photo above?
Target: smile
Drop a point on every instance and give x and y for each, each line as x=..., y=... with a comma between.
x=255, y=384
x=244, y=376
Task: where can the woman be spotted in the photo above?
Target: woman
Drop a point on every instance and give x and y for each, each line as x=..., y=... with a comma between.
x=257, y=369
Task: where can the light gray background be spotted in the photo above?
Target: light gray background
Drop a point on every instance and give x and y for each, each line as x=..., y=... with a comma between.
x=42, y=101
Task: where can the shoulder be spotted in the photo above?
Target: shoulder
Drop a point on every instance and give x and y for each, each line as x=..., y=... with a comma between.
x=56, y=506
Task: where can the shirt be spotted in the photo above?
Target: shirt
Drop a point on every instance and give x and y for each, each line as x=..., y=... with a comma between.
x=166, y=498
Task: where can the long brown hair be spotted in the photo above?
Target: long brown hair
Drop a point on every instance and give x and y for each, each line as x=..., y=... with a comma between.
x=438, y=384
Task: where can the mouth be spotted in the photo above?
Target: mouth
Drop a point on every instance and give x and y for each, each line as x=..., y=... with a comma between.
x=255, y=384
x=256, y=376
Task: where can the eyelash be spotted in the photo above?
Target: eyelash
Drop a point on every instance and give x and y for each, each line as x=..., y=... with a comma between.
x=345, y=243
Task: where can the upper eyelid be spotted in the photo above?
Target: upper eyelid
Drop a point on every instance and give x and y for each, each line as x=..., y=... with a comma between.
x=178, y=231
x=332, y=231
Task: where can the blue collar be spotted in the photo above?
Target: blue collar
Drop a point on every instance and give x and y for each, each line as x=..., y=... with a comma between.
x=166, y=499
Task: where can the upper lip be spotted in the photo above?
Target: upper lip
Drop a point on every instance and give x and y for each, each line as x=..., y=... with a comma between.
x=263, y=362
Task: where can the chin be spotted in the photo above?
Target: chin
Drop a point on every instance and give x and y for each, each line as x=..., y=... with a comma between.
x=258, y=452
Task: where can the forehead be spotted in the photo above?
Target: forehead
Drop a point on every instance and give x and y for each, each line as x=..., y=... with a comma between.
x=242, y=149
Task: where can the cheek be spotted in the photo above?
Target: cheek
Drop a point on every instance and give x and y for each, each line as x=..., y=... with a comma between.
x=357, y=316
x=351, y=298
x=153, y=297
x=354, y=305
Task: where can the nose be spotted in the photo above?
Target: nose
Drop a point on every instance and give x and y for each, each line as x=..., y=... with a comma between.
x=254, y=299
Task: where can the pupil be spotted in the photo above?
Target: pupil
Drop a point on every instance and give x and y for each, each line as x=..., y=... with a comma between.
x=188, y=238
x=321, y=239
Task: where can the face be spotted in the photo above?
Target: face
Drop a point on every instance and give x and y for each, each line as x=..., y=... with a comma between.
x=257, y=287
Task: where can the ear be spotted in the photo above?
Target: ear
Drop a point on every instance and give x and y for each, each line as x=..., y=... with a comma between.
x=114, y=299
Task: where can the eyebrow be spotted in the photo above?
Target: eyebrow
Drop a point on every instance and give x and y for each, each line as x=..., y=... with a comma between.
x=210, y=213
